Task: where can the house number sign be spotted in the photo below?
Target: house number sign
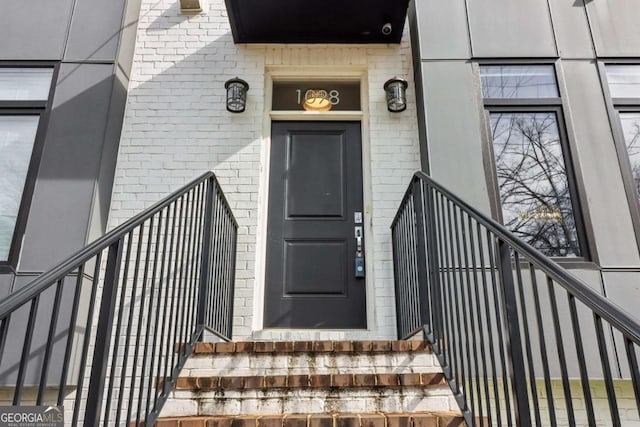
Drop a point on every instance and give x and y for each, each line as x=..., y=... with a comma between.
x=316, y=95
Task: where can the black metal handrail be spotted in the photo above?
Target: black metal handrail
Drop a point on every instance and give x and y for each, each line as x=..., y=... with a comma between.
x=106, y=336
x=512, y=349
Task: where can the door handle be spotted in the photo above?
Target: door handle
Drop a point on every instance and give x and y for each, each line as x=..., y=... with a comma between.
x=359, y=261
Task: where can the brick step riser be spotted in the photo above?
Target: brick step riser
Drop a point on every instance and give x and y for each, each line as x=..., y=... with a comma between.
x=311, y=401
x=302, y=363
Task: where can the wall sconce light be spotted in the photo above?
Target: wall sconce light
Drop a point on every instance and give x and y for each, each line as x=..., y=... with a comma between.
x=236, y=95
x=317, y=100
x=396, y=89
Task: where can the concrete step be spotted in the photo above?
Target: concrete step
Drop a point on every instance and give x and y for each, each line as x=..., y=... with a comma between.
x=309, y=400
x=415, y=419
x=321, y=377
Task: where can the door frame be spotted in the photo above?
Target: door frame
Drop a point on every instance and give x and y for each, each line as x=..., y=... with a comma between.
x=281, y=73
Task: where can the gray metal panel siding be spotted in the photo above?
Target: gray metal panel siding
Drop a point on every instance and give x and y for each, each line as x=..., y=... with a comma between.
x=417, y=89
x=572, y=29
x=593, y=278
x=124, y=60
x=623, y=288
x=507, y=28
x=128, y=37
x=606, y=199
x=615, y=27
x=453, y=130
x=61, y=206
x=33, y=30
x=443, y=29
x=6, y=283
x=16, y=334
x=95, y=30
x=104, y=185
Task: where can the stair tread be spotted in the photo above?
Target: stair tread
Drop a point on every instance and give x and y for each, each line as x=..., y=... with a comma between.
x=309, y=381
x=277, y=347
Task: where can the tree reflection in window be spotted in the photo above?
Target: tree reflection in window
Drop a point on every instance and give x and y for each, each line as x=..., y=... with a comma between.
x=533, y=183
x=631, y=128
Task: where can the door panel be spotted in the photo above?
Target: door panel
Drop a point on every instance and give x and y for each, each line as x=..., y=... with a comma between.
x=315, y=187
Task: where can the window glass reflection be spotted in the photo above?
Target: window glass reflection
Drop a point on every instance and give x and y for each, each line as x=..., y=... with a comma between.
x=631, y=128
x=533, y=183
x=25, y=84
x=518, y=81
x=624, y=81
x=17, y=135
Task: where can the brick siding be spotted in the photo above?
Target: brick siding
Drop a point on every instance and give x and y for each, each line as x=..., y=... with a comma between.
x=176, y=127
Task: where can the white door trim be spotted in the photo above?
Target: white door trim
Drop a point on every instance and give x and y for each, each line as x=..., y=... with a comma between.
x=320, y=73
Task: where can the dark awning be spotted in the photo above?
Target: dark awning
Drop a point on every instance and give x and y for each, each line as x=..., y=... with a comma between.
x=317, y=21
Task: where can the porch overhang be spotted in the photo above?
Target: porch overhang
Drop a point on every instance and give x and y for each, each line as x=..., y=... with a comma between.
x=326, y=21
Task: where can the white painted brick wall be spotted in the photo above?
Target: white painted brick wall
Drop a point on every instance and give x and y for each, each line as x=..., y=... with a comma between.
x=176, y=127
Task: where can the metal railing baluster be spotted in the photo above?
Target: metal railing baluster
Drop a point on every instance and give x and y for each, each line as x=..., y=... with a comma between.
x=543, y=349
x=584, y=375
x=153, y=378
x=132, y=301
x=70, y=333
x=443, y=281
x=466, y=375
x=26, y=347
x=481, y=330
x=467, y=239
x=564, y=372
x=527, y=342
x=116, y=335
x=490, y=325
x=86, y=339
x=606, y=370
x=151, y=324
x=455, y=345
x=499, y=316
x=50, y=341
x=422, y=254
x=434, y=231
x=634, y=370
x=93, y=411
x=514, y=344
x=171, y=304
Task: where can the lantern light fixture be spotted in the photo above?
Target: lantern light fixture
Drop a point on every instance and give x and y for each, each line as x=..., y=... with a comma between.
x=236, y=94
x=396, y=89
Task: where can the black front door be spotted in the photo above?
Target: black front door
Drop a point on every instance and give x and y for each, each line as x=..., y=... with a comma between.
x=315, y=204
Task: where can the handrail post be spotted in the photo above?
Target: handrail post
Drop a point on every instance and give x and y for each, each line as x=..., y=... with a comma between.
x=514, y=340
x=232, y=279
x=433, y=283
x=206, y=252
x=421, y=255
x=93, y=408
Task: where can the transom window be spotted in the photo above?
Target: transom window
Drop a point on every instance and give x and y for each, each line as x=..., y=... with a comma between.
x=518, y=81
x=531, y=158
x=23, y=97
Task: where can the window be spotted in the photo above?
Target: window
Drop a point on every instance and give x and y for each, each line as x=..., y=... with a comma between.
x=23, y=97
x=531, y=158
x=624, y=86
